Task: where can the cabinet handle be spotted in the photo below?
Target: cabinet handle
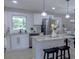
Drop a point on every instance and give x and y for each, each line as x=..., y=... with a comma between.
x=18, y=40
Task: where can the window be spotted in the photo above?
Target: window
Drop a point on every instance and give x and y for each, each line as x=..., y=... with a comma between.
x=19, y=22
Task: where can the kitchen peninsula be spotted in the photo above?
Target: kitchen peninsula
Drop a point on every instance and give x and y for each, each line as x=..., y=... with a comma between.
x=47, y=41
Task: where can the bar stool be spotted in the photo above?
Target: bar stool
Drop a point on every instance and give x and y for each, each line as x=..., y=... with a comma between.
x=4, y=50
x=74, y=42
x=51, y=51
x=64, y=48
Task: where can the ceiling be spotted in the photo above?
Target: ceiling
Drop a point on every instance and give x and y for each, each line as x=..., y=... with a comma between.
x=37, y=5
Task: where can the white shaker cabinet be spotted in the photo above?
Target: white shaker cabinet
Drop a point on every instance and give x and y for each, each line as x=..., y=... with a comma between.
x=19, y=41
x=37, y=19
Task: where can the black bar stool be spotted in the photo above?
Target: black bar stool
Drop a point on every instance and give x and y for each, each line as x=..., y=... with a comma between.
x=64, y=48
x=51, y=51
x=74, y=42
x=4, y=50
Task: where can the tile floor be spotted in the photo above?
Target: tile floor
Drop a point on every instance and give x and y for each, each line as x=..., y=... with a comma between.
x=19, y=54
x=27, y=54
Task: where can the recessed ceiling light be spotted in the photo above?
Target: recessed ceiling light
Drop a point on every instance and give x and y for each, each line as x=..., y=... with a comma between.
x=14, y=1
x=53, y=8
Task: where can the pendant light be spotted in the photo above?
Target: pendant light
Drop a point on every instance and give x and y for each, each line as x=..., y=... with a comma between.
x=44, y=13
x=67, y=11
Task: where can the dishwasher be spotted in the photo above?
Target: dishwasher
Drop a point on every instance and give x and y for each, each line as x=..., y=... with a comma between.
x=30, y=38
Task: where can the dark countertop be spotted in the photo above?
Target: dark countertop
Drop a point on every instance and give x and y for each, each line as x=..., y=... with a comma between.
x=33, y=34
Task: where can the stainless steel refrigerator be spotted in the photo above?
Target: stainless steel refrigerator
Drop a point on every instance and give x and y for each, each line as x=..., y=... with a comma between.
x=46, y=26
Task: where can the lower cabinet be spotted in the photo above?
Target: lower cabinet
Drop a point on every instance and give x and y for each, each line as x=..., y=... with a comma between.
x=20, y=41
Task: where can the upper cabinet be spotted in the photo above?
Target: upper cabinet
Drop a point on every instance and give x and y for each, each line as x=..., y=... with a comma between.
x=37, y=19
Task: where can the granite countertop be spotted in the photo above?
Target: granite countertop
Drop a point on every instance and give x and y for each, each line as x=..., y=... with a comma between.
x=49, y=37
x=11, y=34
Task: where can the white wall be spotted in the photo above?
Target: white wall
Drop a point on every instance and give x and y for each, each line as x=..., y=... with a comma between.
x=68, y=24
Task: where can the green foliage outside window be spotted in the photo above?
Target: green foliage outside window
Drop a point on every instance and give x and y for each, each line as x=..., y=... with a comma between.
x=19, y=22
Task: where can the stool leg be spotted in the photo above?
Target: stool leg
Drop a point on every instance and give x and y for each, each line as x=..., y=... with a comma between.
x=74, y=44
x=56, y=55
x=47, y=55
x=61, y=54
x=68, y=54
x=53, y=56
x=64, y=54
x=44, y=55
x=4, y=51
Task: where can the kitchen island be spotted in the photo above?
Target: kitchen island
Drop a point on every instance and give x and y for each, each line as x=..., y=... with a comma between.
x=47, y=41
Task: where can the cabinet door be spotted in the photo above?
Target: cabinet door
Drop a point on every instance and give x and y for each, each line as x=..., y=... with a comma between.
x=15, y=42
x=24, y=41
x=37, y=19
x=7, y=44
x=19, y=42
